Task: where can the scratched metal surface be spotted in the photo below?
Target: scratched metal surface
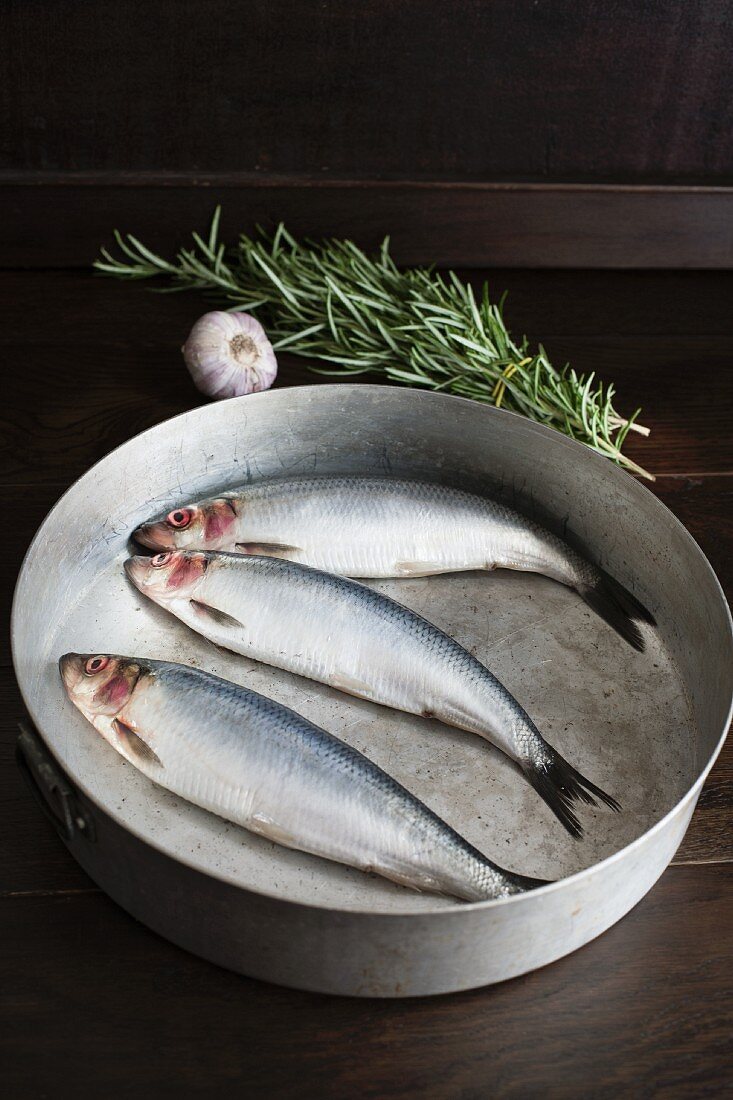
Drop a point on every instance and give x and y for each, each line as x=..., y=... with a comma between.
x=643, y=726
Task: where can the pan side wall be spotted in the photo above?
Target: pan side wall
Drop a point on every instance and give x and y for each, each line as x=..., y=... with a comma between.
x=364, y=954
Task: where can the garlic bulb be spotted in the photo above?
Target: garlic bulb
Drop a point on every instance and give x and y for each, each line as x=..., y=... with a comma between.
x=228, y=354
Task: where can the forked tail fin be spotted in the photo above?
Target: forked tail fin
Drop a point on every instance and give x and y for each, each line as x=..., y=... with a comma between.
x=618, y=607
x=560, y=785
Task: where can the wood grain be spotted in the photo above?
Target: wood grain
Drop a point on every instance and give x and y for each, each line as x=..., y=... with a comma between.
x=645, y=1011
x=62, y=222
x=527, y=90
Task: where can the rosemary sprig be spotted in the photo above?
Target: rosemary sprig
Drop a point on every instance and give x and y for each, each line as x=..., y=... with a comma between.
x=332, y=302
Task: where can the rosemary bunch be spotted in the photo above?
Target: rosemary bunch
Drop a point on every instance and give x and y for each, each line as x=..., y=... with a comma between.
x=332, y=302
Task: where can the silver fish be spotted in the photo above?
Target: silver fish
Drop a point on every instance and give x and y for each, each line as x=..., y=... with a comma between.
x=345, y=634
x=380, y=527
x=259, y=764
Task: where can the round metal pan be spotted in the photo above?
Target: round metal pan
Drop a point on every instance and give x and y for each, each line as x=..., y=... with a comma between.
x=647, y=727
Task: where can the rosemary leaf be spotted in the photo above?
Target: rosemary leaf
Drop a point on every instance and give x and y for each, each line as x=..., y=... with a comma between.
x=333, y=302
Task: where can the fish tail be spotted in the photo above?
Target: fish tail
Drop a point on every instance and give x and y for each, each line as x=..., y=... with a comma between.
x=618, y=607
x=521, y=883
x=489, y=881
x=560, y=785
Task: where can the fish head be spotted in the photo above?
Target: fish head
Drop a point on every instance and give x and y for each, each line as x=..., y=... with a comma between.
x=168, y=576
x=102, y=687
x=204, y=525
x=99, y=684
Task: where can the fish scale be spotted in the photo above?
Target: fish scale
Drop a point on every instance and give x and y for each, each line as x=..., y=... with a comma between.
x=409, y=522
x=263, y=766
x=329, y=618
x=384, y=527
x=353, y=638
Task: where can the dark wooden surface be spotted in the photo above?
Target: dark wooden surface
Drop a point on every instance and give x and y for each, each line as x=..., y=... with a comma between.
x=93, y=1004
x=523, y=133
x=60, y=219
x=509, y=90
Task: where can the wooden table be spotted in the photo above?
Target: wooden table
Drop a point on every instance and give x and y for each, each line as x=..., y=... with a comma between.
x=93, y=1004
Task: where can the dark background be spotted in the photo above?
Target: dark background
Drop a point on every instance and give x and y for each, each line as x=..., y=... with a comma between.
x=514, y=137
x=484, y=90
x=528, y=133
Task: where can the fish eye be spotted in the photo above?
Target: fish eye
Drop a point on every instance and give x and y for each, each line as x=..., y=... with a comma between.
x=180, y=518
x=96, y=664
x=159, y=560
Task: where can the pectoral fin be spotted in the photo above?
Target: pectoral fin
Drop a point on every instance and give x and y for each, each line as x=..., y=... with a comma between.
x=135, y=745
x=214, y=614
x=268, y=549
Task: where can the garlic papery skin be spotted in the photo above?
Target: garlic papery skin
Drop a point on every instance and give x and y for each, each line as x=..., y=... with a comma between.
x=228, y=354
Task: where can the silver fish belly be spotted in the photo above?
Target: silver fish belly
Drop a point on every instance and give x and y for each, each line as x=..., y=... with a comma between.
x=265, y=767
x=382, y=527
x=344, y=634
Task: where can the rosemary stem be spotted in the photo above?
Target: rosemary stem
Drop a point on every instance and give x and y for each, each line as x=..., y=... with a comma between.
x=358, y=313
x=619, y=422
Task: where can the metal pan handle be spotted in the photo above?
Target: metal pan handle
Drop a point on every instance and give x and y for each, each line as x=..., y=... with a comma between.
x=51, y=789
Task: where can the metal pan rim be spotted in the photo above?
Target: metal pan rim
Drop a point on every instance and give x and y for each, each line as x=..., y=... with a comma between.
x=556, y=439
